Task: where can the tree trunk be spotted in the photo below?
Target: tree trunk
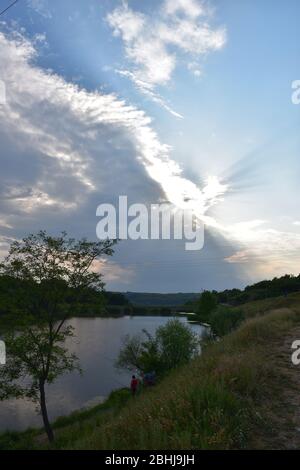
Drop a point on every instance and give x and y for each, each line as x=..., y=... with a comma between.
x=44, y=411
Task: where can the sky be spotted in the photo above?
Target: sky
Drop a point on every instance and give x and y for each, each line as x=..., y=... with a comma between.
x=186, y=102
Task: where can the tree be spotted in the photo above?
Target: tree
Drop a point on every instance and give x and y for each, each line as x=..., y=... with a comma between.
x=172, y=345
x=51, y=276
x=206, y=305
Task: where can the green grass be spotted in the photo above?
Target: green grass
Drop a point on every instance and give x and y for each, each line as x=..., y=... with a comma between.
x=70, y=425
x=260, y=307
x=211, y=404
x=216, y=402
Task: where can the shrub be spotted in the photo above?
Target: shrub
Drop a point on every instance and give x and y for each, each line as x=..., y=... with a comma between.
x=225, y=319
x=172, y=345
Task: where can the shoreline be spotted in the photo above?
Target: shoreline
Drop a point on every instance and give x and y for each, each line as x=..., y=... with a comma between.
x=226, y=399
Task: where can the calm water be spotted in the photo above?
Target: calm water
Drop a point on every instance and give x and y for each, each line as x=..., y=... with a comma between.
x=97, y=344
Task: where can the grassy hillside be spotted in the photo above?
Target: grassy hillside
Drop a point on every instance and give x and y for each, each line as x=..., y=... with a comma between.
x=233, y=396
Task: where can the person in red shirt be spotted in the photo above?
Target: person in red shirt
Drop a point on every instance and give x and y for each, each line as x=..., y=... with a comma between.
x=134, y=384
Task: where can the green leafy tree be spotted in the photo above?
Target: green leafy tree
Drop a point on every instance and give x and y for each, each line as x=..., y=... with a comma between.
x=51, y=275
x=173, y=345
x=206, y=305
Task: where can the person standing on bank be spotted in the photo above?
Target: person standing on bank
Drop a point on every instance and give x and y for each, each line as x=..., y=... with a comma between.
x=134, y=385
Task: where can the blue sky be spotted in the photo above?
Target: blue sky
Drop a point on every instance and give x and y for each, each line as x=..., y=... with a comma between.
x=202, y=87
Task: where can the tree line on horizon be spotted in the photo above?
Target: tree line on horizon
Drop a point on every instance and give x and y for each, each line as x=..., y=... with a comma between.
x=107, y=302
x=276, y=287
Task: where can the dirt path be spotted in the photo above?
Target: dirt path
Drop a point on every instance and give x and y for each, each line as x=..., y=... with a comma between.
x=281, y=415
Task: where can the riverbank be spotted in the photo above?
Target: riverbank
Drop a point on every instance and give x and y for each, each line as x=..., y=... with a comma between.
x=37, y=439
x=96, y=343
x=239, y=394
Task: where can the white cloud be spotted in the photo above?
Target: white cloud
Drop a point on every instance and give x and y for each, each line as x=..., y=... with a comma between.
x=147, y=90
x=155, y=45
x=195, y=69
x=64, y=146
x=4, y=223
x=4, y=246
x=269, y=251
x=190, y=8
x=41, y=7
x=143, y=46
x=64, y=150
x=113, y=271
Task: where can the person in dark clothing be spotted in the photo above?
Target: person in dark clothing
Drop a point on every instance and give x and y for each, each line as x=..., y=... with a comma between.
x=149, y=379
x=146, y=379
x=152, y=378
x=134, y=384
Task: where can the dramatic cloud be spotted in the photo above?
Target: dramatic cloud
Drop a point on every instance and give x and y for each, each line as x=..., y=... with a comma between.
x=65, y=150
x=179, y=32
x=70, y=129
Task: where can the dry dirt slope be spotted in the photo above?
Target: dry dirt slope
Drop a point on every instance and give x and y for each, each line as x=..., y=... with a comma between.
x=281, y=416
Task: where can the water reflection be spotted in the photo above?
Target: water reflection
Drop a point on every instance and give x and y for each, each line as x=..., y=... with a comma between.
x=97, y=344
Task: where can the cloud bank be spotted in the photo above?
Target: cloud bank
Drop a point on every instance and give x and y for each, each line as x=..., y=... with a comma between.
x=64, y=150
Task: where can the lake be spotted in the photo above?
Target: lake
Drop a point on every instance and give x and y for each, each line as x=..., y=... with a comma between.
x=96, y=344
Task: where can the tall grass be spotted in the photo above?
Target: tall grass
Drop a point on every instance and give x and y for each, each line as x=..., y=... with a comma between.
x=210, y=404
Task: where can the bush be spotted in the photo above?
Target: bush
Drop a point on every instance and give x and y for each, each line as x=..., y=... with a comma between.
x=225, y=319
x=172, y=345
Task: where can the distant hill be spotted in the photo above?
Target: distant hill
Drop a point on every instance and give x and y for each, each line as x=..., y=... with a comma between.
x=276, y=287
x=160, y=300
x=115, y=298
